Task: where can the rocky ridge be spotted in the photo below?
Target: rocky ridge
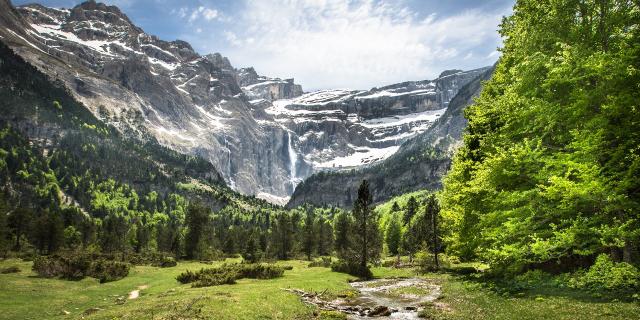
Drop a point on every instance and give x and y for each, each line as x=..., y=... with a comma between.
x=420, y=163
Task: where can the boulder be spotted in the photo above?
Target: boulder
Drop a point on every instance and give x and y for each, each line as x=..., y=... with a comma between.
x=380, y=311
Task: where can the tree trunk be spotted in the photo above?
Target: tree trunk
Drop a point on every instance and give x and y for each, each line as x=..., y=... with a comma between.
x=628, y=252
x=363, y=262
x=602, y=26
x=435, y=239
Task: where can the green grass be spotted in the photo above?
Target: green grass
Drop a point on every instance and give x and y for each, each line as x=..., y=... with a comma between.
x=464, y=299
x=25, y=296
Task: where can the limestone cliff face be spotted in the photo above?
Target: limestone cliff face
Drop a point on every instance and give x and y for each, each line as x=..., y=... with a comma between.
x=263, y=134
x=148, y=87
x=420, y=163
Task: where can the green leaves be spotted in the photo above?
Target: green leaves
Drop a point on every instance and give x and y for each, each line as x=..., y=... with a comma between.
x=549, y=165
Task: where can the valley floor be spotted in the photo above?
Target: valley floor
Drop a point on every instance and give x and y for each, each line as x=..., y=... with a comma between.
x=153, y=293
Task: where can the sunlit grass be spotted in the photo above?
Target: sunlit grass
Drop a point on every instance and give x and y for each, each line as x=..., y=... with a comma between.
x=23, y=295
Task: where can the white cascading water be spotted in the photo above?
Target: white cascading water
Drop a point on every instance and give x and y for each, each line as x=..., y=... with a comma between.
x=293, y=158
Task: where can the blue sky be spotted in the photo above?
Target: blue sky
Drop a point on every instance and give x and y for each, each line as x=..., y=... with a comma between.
x=329, y=43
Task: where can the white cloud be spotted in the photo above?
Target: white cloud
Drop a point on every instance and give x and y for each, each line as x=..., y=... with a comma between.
x=209, y=14
x=493, y=54
x=357, y=44
x=195, y=14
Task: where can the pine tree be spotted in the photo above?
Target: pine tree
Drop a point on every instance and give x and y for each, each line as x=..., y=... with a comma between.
x=395, y=207
x=197, y=217
x=250, y=252
x=325, y=236
x=19, y=223
x=366, y=242
x=309, y=239
x=115, y=231
x=283, y=236
x=4, y=229
x=410, y=210
x=432, y=210
x=341, y=229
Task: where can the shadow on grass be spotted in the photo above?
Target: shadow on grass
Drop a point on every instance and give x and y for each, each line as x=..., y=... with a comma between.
x=541, y=289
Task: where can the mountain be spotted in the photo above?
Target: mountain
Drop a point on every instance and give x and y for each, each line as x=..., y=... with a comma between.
x=61, y=155
x=420, y=163
x=264, y=135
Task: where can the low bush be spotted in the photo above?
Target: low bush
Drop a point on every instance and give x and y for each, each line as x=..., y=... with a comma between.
x=352, y=269
x=208, y=280
x=229, y=273
x=78, y=266
x=107, y=271
x=187, y=277
x=260, y=271
x=166, y=262
x=324, y=262
x=426, y=262
x=607, y=275
x=11, y=269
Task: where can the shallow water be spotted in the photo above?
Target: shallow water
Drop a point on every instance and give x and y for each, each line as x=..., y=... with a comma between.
x=381, y=295
x=383, y=292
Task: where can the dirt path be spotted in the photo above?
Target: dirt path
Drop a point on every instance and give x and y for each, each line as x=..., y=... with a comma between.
x=136, y=293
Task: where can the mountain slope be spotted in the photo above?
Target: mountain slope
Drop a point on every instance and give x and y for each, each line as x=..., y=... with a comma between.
x=420, y=163
x=262, y=134
x=149, y=88
x=76, y=152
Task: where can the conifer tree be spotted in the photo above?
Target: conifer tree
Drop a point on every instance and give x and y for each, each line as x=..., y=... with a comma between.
x=366, y=240
x=309, y=238
x=410, y=210
x=341, y=229
x=197, y=217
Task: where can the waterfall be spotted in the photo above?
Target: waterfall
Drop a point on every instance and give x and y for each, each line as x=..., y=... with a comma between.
x=293, y=158
x=232, y=183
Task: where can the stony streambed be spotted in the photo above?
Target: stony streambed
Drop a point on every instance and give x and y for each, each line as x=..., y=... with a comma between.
x=392, y=298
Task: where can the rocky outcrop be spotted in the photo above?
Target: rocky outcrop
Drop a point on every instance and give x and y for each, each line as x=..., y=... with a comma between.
x=420, y=163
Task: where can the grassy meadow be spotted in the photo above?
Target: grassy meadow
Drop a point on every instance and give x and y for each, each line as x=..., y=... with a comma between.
x=23, y=295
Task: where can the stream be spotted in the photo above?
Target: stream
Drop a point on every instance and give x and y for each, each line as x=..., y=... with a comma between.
x=389, y=298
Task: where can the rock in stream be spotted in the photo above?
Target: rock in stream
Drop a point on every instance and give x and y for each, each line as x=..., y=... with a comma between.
x=392, y=298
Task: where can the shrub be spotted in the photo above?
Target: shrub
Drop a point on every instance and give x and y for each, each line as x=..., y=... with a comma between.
x=166, y=262
x=229, y=273
x=323, y=262
x=78, y=266
x=187, y=277
x=352, y=269
x=607, y=275
x=260, y=271
x=207, y=280
x=454, y=259
x=11, y=269
x=426, y=261
x=107, y=271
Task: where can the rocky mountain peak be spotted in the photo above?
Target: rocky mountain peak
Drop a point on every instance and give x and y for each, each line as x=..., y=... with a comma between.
x=449, y=72
x=91, y=10
x=219, y=61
